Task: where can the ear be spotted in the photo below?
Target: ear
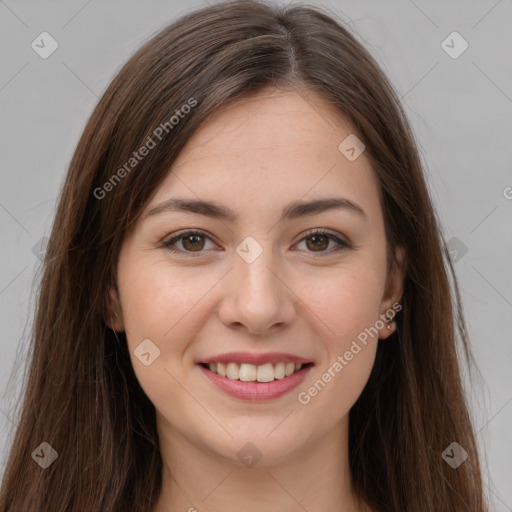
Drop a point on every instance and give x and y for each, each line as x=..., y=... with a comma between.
x=394, y=290
x=115, y=313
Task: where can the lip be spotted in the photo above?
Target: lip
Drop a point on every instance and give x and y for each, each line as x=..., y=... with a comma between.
x=256, y=359
x=256, y=391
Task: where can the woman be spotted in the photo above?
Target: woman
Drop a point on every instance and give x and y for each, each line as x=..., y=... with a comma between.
x=245, y=304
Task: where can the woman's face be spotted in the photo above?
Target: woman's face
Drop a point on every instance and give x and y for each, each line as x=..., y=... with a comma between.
x=256, y=282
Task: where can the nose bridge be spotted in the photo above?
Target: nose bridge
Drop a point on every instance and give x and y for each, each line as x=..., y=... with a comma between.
x=257, y=298
x=256, y=277
x=253, y=264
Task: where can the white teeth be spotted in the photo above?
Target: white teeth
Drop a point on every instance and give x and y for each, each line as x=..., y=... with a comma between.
x=232, y=371
x=290, y=368
x=250, y=373
x=265, y=373
x=279, y=371
x=221, y=369
x=247, y=372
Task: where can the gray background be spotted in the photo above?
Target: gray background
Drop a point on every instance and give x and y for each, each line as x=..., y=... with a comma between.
x=460, y=109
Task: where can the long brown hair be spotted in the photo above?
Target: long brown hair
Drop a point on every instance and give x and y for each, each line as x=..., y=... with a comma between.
x=81, y=395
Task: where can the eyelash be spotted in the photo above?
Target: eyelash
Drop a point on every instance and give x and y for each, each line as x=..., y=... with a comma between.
x=313, y=232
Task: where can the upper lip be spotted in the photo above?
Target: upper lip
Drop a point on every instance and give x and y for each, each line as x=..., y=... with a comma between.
x=256, y=359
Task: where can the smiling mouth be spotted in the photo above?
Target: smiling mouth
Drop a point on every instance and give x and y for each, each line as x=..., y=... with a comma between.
x=246, y=372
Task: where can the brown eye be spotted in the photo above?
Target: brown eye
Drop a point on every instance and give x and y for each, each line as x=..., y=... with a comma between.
x=320, y=242
x=317, y=241
x=192, y=243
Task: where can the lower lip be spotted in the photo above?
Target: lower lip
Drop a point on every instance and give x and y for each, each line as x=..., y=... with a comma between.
x=257, y=391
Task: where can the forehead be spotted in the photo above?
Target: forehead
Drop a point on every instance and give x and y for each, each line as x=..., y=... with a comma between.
x=268, y=150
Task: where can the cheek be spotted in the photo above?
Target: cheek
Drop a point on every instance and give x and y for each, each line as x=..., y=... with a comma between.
x=344, y=303
x=155, y=300
x=164, y=306
x=338, y=385
x=346, y=309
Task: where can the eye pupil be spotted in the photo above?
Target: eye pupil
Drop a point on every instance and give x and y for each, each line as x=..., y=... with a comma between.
x=186, y=240
x=319, y=245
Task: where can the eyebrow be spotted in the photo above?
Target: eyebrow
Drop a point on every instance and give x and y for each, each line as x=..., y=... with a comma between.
x=294, y=210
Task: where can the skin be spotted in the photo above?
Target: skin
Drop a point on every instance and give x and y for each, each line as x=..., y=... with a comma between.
x=255, y=157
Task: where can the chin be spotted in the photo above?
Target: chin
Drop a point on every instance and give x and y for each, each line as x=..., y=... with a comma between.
x=261, y=442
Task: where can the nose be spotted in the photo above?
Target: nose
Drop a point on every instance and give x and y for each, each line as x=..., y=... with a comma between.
x=257, y=296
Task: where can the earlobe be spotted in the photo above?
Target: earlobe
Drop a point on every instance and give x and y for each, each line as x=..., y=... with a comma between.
x=388, y=329
x=115, y=315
